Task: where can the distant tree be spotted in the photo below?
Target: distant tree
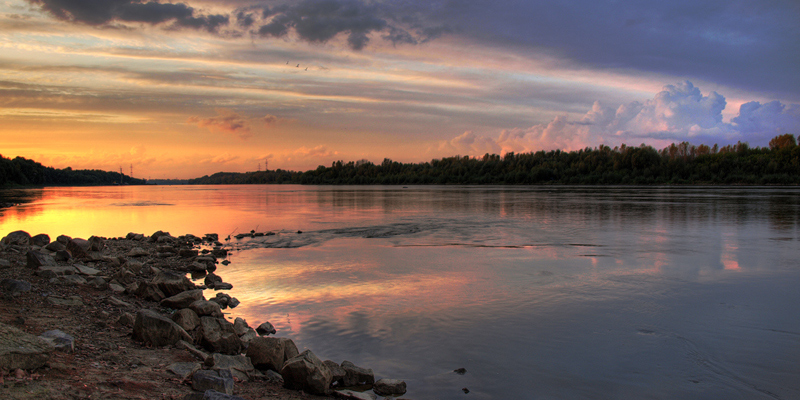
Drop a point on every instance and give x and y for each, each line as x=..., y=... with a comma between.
x=782, y=142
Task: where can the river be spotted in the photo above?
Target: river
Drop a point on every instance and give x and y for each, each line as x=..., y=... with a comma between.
x=538, y=292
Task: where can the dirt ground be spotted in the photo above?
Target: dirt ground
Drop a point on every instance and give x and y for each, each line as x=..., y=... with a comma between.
x=106, y=363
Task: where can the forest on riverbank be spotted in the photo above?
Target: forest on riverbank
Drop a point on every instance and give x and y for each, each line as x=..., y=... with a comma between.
x=21, y=171
x=684, y=163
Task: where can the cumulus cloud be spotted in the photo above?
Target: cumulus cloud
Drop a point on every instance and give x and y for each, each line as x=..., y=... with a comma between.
x=104, y=12
x=678, y=113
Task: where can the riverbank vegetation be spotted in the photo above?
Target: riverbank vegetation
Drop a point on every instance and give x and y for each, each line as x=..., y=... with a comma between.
x=24, y=172
x=684, y=163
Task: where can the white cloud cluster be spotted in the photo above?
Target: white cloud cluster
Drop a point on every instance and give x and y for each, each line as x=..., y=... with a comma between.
x=677, y=113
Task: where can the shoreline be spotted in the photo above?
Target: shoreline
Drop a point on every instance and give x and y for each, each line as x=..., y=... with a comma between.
x=125, y=322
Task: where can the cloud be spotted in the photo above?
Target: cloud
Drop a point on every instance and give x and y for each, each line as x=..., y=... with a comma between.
x=678, y=113
x=226, y=121
x=105, y=12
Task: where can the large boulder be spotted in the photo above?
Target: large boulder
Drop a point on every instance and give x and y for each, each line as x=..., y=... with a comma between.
x=17, y=238
x=217, y=335
x=337, y=372
x=147, y=291
x=203, y=380
x=183, y=299
x=172, y=283
x=37, y=259
x=79, y=248
x=22, y=350
x=240, y=366
x=355, y=375
x=265, y=329
x=205, y=308
x=97, y=243
x=187, y=319
x=158, y=330
x=306, y=372
x=40, y=240
x=240, y=326
x=267, y=353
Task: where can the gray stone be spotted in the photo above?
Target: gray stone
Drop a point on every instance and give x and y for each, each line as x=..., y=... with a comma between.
x=16, y=238
x=152, y=327
x=68, y=280
x=60, y=340
x=63, y=239
x=137, y=252
x=118, y=303
x=223, y=286
x=217, y=335
x=389, y=387
x=37, y=259
x=355, y=375
x=274, y=377
x=134, y=266
x=116, y=288
x=337, y=372
x=147, y=291
x=352, y=394
x=266, y=329
x=51, y=271
x=187, y=253
x=4, y=264
x=248, y=336
x=234, y=302
x=124, y=277
x=211, y=394
x=222, y=299
x=206, y=308
x=79, y=248
x=203, y=380
x=172, y=283
x=201, y=355
x=306, y=372
x=239, y=365
x=267, y=353
x=126, y=319
x=183, y=299
x=63, y=255
x=55, y=246
x=240, y=326
x=98, y=283
x=71, y=301
x=212, y=279
x=40, y=240
x=20, y=350
x=197, y=267
x=166, y=249
x=14, y=287
x=187, y=319
x=97, y=243
x=184, y=369
x=84, y=270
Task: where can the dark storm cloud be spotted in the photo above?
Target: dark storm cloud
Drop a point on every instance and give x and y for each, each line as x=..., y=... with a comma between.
x=751, y=44
x=102, y=12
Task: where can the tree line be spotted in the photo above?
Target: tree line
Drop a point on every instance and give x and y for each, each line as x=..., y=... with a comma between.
x=24, y=172
x=683, y=163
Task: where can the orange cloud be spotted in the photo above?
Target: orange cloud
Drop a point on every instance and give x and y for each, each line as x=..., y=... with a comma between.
x=226, y=121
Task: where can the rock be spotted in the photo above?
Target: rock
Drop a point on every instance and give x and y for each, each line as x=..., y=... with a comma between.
x=203, y=380
x=197, y=267
x=60, y=340
x=211, y=279
x=16, y=238
x=51, y=271
x=84, y=270
x=352, y=394
x=79, y=248
x=68, y=280
x=183, y=299
x=147, y=291
x=55, y=246
x=184, y=369
x=14, y=287
x=37, y=259
x=97, y=243
x=267, y=353
x=219, y=252
x=182, y=344
x=337, y=372
x=40, y=240
x=223, y=286
x=116, y=288
x=98, y=283
x=20, y=350
x=166, y=249
x=137, y=252
x=306, y=372
x=211, y=394
x=239, y=365
x=389, y=387
x=248, y=336
x=126, y=319
x=172, y=283
x=187, y=253
x=240, y=326
x=63, y=255
x=217, y=335
x=211, y=237
x=206, y=308
x=71, y=301
x=118, y=303
x=187, y=319
x=124, y=277
x=266, y=329
x=4, y=264
x=153, y=328
x=274, y=377
x=134, y=266
x=222, y=299
x=63, y=239
x=234, y=302
x=355, y=375
x=226, y=262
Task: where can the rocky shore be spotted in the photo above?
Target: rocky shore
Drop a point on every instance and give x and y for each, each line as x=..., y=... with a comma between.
x=119, y=318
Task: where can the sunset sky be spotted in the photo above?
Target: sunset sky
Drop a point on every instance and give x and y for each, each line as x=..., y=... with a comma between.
x=187, y=88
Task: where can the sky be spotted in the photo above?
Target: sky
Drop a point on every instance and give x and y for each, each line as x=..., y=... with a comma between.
x=187, y=88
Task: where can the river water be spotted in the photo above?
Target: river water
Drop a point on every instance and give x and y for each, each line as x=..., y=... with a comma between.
x=538, y=292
